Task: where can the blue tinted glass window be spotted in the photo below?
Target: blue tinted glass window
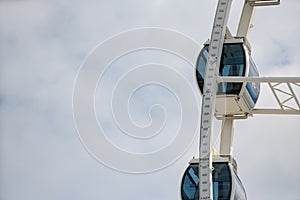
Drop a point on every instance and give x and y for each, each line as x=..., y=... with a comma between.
x=190, y=183
x=201, y=66
x=253, y=88
x=221, y=182
x=215, y=190
x=221, y=175
x=232, y=64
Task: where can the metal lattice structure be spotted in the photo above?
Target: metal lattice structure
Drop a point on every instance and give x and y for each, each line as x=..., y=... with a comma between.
x=230, y=91
x=285, y=104
x=281, y=88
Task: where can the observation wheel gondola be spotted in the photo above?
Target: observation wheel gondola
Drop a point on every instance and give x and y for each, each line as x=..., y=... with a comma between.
x=226, y=183
x=232, y=98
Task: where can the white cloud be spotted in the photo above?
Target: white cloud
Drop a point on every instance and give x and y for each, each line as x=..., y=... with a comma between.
x=42, y=45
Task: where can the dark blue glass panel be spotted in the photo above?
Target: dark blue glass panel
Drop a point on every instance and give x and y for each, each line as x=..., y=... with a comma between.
x=190, y=183
x=232, y=64
x=201, y=65
x=253, y=88
x=221, y=182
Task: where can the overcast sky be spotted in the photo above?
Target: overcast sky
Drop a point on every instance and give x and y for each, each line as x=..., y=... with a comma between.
x=44, y=43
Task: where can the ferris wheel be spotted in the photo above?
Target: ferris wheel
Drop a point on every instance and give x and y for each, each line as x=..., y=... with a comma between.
x=230, y=86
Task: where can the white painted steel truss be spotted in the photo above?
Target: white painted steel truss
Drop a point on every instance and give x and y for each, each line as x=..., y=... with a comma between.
x=283, y=90
x=219, y=32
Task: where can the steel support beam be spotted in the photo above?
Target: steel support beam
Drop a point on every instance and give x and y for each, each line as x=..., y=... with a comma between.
x=226, y=136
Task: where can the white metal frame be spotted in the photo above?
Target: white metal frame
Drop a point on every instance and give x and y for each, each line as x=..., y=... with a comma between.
x=209, y=98
x=227, y=136
x=263, y=2
x=211, y=79
x=274, y=84
x=291, y=96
